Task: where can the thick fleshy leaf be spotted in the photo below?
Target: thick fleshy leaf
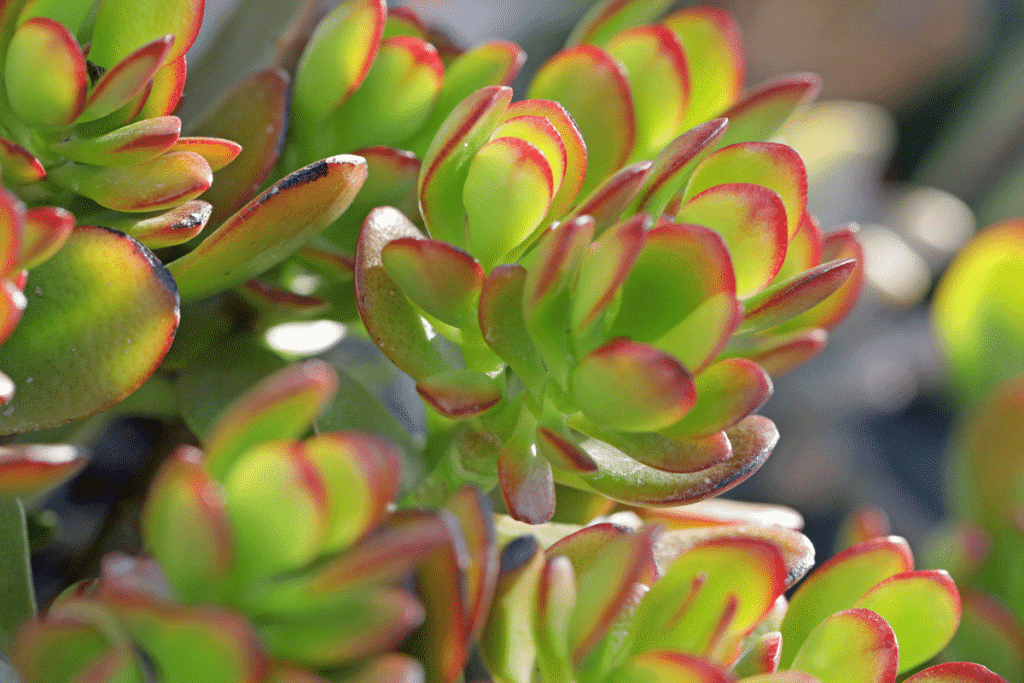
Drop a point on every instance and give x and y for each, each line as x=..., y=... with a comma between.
x=542, y=134
x=605, y=267
x=493, y=63
x=777, y=356
x=45, y=74
x=122, y=26
x=252, y=114
x=571, y=141
x=583, y=547
x=989, y=632
x=447, y=161
x=547, y=290
x=186, y=527
x=176, y=226
x=70, y=13
x=556, y=597
x=508, y=644
x=607, y=586
x=804, y=249
x=131, y=144
x=12, y=305
x=18, y=165
x=442, y=280
x=659, y=81
x=275, y=303
x=713, y=44
x=797, y=551
x=688, y=608
x=669, y=666
x=770, y=164
x=393, y=101
x=763, y=658
x=720, y=511
x=218, y=152
x=680, y=269
x=390, y=320
x=159, y=183
x=977, y=310
x=608, y=201
x=838, y=245
x=783, y=301
x=460, y=394
x=390, y=181
x=47, y=228
x=605, y=19
x=507, y=192
x=104, y=312
x=666, y=453
x=503, y=325
x=853, y=646
x=476, y=520
x=337, y=58
x=923, y=609
x=403, y=21
x=270, y=227
x=727, y=392
x=282, y=406
x=760, y=114
x=624, y=479
x=126, y=79
x=674, y=165
x=593, y=87
x=525, y=476
x=27, y=470
x=168, y=85
x=838, y=584
x=366, y=623
x=956, y=672
x=752, y=221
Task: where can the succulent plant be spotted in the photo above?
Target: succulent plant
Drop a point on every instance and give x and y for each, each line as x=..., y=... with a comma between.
x=616, y=338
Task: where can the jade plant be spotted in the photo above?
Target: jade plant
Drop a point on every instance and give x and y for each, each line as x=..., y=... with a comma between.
x=590, y=286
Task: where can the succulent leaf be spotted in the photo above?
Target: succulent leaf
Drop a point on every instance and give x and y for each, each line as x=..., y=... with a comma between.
x=18, y=165
x=45, y=74
x=727, y=391
x=81, y=331
x=47, y=228
x=855, y=645
x=27, y=470
x=123, y=26
x=126, y=79
x=270, y=227
x=131, y=144
x=760, y=114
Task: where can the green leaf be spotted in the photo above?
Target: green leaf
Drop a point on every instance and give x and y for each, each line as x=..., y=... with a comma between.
x=17, y=596
x=955, y=672
x=47, y=228
x=508, y=644
x=503, y=324
x=86, y=328
x=45, y=74
x=460, y=394
x=122, y=26
x=727, y=391
x=923, y=609
x=593, y=88
x=253, y=114
x=668, y=666
x=978, y=314
x=605, y=19
x=18, y=165
x=131, y=144
x=838, y=584
x=610, y=200
x=270, y=227
x=853, y=646
x=783, y=301
x=761, y=113
x=525, y=476
x=126, y=79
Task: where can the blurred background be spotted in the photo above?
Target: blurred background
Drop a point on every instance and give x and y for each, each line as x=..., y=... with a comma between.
x=917, y=136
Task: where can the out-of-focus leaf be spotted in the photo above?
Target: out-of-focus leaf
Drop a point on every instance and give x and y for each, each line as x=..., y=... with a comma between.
x=990, y=634
x=104, y=312
x=282, y=406
x=18, y=165
x=853, y=646
x=804, y=249
x=956, y=672
x=762, y=658
x=27, y=470
x=977, y=313
x=270, y=227
x=459, y=394
x=47, y=228
x=508, y=644
x=670, y=666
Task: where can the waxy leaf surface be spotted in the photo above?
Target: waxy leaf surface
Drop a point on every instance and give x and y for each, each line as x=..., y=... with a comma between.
x=126, y=80
x=760, y=114
x=605, y=19
x=853, y=646
x=270, y=227
x=714, y=47
x=727, y=391
x=45, y=74
x=103, y=313
x=18, y=165
x=122, y=26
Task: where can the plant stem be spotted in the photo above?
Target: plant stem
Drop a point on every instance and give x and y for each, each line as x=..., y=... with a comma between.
x=17, y=597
